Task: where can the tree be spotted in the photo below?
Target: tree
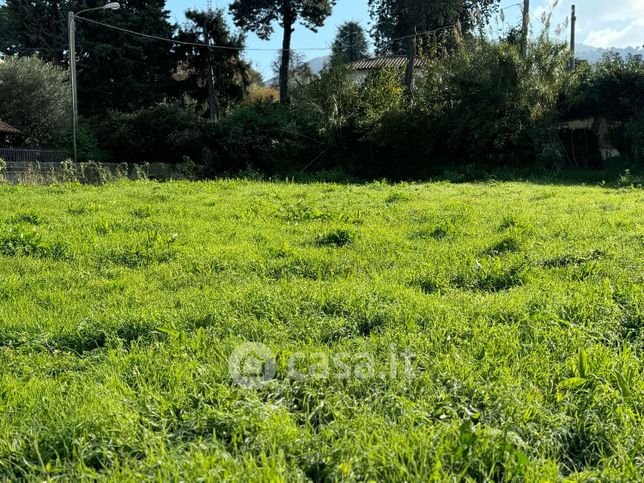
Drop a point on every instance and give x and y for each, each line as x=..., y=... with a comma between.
x=299, y=70
x=401, y=26
x=230, y=75
x=34, y=97
x=259, y=15
x=116, y=70
x=395, y=21
x=121, y=71
x=350, y=43
x=29, y=27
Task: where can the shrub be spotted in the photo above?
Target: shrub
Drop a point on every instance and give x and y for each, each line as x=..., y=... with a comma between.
x=164, y=133
x=491, y=106
x=154, y=248
x=341, y=118
x=35, y=99
x=634, y=133
x=258, y=137
x=613, y=89
x=19, y=241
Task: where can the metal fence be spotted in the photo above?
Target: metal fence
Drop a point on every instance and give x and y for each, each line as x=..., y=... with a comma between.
x=19, y=155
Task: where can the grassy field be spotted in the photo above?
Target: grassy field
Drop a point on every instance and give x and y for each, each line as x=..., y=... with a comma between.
x=490, y=331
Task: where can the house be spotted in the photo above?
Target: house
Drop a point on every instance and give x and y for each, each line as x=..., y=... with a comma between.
x=7, y=132
x=362, y=68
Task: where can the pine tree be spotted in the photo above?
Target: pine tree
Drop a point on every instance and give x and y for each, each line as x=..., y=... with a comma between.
x=259, y=16
x=350, y=43
x=230, y=73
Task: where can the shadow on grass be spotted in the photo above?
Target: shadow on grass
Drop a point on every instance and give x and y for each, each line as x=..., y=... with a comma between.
x=618, y=173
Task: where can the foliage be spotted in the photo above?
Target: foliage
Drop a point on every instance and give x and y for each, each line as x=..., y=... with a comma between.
x=481, y=104
x=395, y=22
x=522, y=317
x=260, y=93
x=299, y=70
x=163, y=133
x=350, y=43
x=118, y=71
x=259, y=16
x=34, y=27
x=340, y=116
x=613, y=89
x=634, y=134
x=230, y=71
x=34, y=97
x=255, y=137
x=491, y=105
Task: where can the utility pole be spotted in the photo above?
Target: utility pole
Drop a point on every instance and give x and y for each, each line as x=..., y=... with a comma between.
x=71, y=31
x=573, y=24
x=71, y=25
x=525, y=28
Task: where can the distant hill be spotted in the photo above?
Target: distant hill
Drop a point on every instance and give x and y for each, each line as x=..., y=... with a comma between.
x=316, y=65
x=594, y=54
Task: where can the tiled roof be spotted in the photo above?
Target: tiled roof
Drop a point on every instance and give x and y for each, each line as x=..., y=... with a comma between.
x=394, y=61
x=7, y=129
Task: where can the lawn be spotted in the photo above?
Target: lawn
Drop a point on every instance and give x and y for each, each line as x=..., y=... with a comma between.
x=419, y=331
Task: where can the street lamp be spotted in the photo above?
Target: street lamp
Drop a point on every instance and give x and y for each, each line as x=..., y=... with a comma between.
x=71, y=25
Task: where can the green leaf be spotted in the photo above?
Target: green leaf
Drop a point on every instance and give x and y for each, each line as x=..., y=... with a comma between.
x=168, y=331
x=583, y=363
x=572, y=383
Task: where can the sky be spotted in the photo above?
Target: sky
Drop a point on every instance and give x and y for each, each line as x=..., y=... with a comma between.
x=600, y=23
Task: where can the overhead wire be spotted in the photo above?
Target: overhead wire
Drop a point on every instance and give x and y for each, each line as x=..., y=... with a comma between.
x=251, y=49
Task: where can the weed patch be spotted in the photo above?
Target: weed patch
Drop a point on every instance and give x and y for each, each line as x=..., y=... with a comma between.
x=21, y=242
x=154, y=248
x=566, y=260
x=30, y=218
x=336, y=238
x=507, y=244
x=491, y=275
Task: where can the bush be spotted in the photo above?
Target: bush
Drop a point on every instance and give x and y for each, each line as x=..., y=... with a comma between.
x=634, y=132
x=613, y=89
x=341, y=118
x=255, y=137
x=164, y=133
x=489, y=105
x=34, y=97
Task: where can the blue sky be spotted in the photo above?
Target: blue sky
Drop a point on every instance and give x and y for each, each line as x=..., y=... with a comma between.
x=600, y=23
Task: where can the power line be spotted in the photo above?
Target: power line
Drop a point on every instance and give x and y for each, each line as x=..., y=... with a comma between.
x=191, y=44
x=255, y=49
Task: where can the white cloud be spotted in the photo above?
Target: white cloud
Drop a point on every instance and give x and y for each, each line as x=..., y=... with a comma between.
x=629, y=36
x=600, y=23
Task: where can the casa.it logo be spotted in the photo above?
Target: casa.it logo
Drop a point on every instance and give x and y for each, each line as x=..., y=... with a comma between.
x=252, y=364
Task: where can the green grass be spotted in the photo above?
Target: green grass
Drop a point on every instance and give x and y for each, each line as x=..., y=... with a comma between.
x=523, y=306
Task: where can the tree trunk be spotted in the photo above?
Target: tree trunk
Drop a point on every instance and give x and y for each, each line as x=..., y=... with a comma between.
x=213, y=113
x=286, y=55
x=409, y=72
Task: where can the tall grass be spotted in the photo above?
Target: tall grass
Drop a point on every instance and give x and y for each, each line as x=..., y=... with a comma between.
x=522, y=304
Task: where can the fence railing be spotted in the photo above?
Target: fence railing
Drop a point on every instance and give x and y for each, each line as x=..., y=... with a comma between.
x=20, y=155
